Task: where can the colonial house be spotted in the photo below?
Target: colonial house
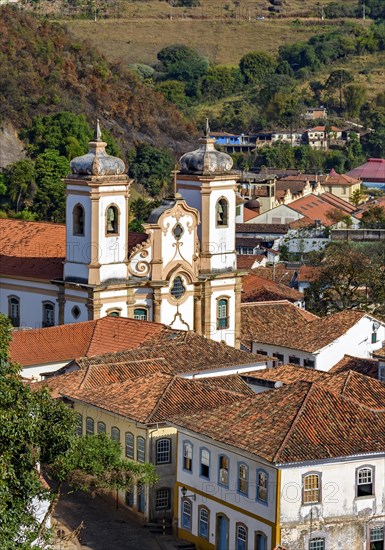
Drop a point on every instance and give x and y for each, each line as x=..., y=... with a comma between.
x=293, y=336
x=260, y=289
x=273, y=470
x=341, y=185
x=321, y=137
x=93, y=266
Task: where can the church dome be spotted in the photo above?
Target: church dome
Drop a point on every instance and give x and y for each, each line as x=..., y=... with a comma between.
x=253, y=204
x=97, y=162
x=206, y=160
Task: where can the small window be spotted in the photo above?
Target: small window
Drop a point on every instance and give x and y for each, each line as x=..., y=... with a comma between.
x=261, y=352
x=163, y=451
x=186, y=514
x=90, y=426
x=364, y=482
x=223, y=470
x=112, y=220
x=279, y=357
x=376, y=538
x=114, y=313
x=223, y=314
x=187, y=456
x=260, y=541
x=78, y=220
x=205, y=463
x=75, y=311
x=311, y=489
x=140, y=450
x=374, y=337
x=309, y=363
x=48, y=314
x=222, y=213
x=177, y=231
x=317, y=544
x=140, y=313
x=294, y=360
x=381, y=374
x=79, y=424
x=115, y=434
x=129, y=445
x=101, y=428
x=241, y=537
x=178, y=288
x=162, y=499
x=262, y=486
x=204, y=523
x=14, y=310
x=243, y=479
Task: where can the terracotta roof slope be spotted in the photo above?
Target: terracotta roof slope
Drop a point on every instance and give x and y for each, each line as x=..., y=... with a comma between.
x=288, y=374
x=294, y=423
x=357, y=387
x=368, y=367
x=88, y=338
x=32, y=249
x=159, y=397
x=257, y=289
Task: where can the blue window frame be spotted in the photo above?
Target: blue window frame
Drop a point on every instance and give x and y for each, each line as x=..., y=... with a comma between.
x=262, y=486
x=186, y=514
x=260, y=541
x=241, y=537
x=101, y=428
x=90, y=426
x=243, y=478
x=204, y=522
x=204, y=463
x=223, y=470
x=115, y=434
x=140, y=449
x=187, y=456
x=129, y=444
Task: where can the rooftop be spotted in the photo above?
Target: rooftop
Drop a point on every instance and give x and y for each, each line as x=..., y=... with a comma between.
x=86, y=339
x=368, y=367
x=301, y=421
x=259, y=289
x=340, y=179
x=317, y=207
x=373, y=170
x=246, y=261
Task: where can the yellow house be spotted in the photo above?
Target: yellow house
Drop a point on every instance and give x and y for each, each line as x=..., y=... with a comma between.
x=341, y=185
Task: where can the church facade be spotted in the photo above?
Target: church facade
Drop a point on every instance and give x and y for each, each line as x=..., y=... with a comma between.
x=180, y=272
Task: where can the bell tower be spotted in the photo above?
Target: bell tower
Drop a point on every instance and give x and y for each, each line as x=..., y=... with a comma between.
x=97, y=217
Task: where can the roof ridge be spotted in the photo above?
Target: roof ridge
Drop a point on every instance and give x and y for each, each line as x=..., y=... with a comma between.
x=155, y=409
x=346, y=382
x=86, y=376
x=296, y=419
x=92, y=335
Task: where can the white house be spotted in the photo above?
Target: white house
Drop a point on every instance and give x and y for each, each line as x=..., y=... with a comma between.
x=181, y=272
x=277, y=330
x=275, y=470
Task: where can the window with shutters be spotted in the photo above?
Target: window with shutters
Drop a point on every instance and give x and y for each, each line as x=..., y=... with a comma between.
x=115, y=434
x=129, y=445
x=311, y=488
x=205, y=463
x=163, y=451
x=140, y=449
x=187, y=456
x=90, y=426
x=223, y=470
x=223, y=313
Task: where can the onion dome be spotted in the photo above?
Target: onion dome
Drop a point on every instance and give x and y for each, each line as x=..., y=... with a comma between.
x=206, y=160
x=253, y=204
x=97, y=162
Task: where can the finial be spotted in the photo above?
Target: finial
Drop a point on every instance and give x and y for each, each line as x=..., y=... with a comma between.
x=207, y=132
x=98, y=133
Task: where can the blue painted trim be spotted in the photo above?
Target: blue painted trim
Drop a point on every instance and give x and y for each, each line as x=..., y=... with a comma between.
x=228, y=471
x=247, y=479
x=192, y=456
x=264, y=502
x=200, y=463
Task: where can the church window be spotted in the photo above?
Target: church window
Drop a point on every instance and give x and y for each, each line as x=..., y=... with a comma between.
x=178, y=288
x=75, y=312
x=48, y=314
x=113, y=313
x=222, y=212
x=78, y=220
x=140, y=313
x=14, y=310
x=223, y=313
x=177, y=231
x=112, y=220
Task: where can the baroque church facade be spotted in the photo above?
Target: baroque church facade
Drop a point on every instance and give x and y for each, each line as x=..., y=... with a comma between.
x=180, y=272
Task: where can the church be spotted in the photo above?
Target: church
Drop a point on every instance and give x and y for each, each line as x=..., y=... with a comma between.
x=181, y=272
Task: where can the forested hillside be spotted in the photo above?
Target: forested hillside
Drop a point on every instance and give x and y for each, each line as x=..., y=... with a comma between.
x=43, y=70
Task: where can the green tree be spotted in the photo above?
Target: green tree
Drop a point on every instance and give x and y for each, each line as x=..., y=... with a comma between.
x=36, y=429
x=373, y=217
x=356, y=197
x=337, y=81
x=183, y=63
x=140, y=210
x=151, y=166
x=255, y=66
x=20, y=183
x=355, y=96
x=49, y=201
x=175, y=92
x=220, y=81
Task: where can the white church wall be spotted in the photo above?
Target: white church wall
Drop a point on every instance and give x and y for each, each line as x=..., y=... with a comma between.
x=183, y=249
x=178, y=315
x=79, y=299
x=226, y=290
x=222, y=238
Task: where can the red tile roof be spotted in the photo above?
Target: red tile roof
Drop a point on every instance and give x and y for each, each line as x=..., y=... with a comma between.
x=316, y=207
x=288, y=374
x=368, y=367
x=32, y=249
x=249, y=214
x=66, y=342
x=340, y=179
x=308, y=274
x=159, y=397
x=246, y=261
x=299, y=422
x=371, y=171
x=284, y=325
x=259, y=289
x=343, y=205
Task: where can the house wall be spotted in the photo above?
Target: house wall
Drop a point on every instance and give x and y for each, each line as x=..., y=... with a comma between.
x=342, y=518
x=238, y=508
x=280, y=214
x=166, y=472
x=342, y=191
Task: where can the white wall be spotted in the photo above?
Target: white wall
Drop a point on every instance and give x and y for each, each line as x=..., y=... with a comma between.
x=281, y=214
